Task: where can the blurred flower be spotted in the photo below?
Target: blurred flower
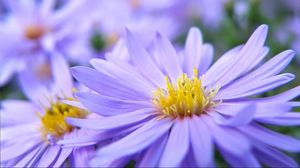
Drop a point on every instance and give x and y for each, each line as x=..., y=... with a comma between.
x=178, y=110
x=30, y=129
x=30, y=29
x=143, y=16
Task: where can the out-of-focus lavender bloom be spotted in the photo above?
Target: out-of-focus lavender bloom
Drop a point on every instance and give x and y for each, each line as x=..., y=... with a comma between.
x=209, y=12
x=143, y=16
x=177, y=110
x=30, y=29
x=30, y=129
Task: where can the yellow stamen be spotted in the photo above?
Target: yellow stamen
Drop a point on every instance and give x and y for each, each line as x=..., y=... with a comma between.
x=54, y=119
x=185, y=98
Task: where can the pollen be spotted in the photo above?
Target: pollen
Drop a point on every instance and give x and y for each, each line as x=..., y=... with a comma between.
x=54, y=119
x=185, y=98
x=34, y=32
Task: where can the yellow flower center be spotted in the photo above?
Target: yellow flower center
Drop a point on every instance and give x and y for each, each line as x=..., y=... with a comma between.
x=185, y=98
x=54, y=119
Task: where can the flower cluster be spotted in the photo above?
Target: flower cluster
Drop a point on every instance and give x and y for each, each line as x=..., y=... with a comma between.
x=148, y=100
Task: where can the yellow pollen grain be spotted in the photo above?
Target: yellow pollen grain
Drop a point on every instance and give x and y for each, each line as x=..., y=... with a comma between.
x=34, y=32
x=54, y=119
x=185, y=98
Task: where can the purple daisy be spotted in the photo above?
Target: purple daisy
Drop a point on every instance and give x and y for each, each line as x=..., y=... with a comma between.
x=177, y=110
x=30, y=129
x=30, y=29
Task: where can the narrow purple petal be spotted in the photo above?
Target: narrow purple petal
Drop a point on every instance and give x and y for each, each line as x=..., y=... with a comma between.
x=25, y=161
x=120, y=74
x=271, y=138
x=242, y=117
x=153, y=153
x=272, y=157
x=111, y=87
x=246, y=160
x=246, y=57
x=51, y=153
x=64, y=153
x=193, y=49
x=169, y=57
x=285, y=119
x=178, y=140
x=61, y=76
x=270, y=68
x=201, y=140
x=143, y=60
x=136, y=141
x=216, y=70
x=282, y=97
x=33, y=88
x=19, y=148
x=258, y=87
x=113, y=122
x=107, y=106
x=229, y=139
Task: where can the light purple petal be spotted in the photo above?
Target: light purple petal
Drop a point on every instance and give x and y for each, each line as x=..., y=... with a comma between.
x=246, y=160
x=62, y=156
x=106, y=85
x=51, y=153
x=179, y=140
x=19, y=148
x=113, y=122
x=270, y=68
x=271, y=138
x=216, y=70
x=143, y=61
x=136, y=141
x=258, y=87
x=246, y=57
x=81, y=156
x=61, y=76
x=193, y=49
x=272, y=157
x=282, y=97
x=229, y=139
x=201, y=140
x=12, y=109
x=243, y=117
x=121, y=74
x=107, y=106
x=33, y=88
x=169, y=57
x=28, y=158
x=285, y=119
x=153, y=153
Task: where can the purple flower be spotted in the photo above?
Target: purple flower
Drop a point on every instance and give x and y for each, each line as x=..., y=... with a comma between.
x=173, y=110
x=30, y=130
x=30, y=30
x=145, y=17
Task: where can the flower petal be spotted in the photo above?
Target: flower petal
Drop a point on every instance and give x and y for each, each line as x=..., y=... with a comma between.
x=179, y=140
x=168, y=57
x=143, y=60
x=271, y=138
x=107, y=106
x=201, y=140
x=136, y=141
x=113, y=122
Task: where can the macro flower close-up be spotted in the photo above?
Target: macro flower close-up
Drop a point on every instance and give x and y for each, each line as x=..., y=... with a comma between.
x=150, y=83
x=183, y=105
